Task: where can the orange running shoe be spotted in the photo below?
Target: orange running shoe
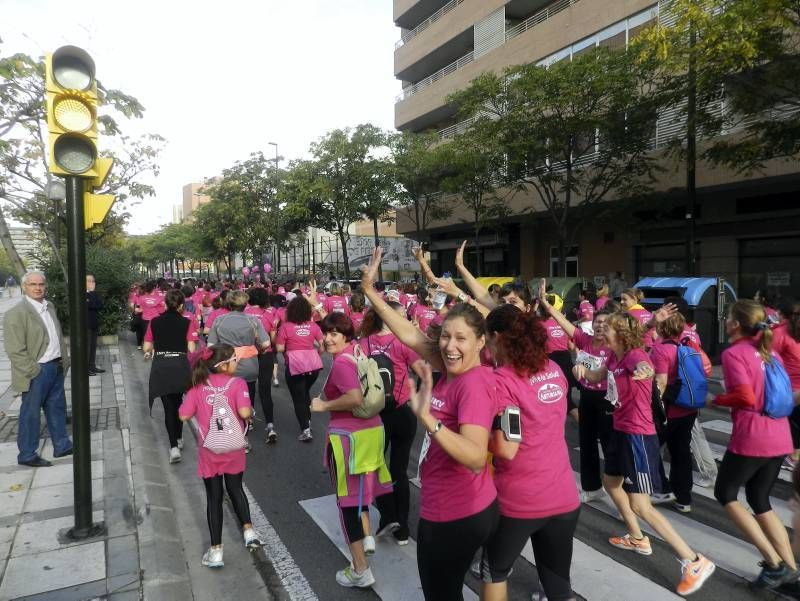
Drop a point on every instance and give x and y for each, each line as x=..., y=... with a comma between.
x=694, y=574
x=627, y=542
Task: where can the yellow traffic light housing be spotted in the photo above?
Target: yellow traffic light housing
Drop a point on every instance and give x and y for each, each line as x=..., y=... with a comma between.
x=95, y=208
x=71, y=100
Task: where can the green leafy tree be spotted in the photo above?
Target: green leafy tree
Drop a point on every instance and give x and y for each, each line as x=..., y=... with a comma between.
x=575, y=133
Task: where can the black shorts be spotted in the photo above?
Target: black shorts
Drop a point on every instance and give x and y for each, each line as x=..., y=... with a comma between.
x=636, y=458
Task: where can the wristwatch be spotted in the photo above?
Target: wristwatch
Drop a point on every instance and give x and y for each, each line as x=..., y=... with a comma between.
x=462, y=297
x=439, y=425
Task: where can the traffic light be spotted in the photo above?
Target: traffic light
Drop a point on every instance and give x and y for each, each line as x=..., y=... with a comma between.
x=71, y=100
x=97, y=206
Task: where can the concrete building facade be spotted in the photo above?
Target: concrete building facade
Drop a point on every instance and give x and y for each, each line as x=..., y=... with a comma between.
x=747, y=226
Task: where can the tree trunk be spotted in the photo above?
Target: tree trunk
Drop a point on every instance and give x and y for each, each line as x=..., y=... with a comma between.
x=8, y=246
x=377, y=244
x=345, y=258
x=691, y=156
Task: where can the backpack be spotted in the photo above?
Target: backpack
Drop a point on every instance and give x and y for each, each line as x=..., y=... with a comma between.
x=386, y=370
x=690, y=389
x=225, y=433
x=371, y=385
x=778, y=399
x=188, y=306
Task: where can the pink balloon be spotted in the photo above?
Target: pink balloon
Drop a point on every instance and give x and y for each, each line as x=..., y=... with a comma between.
x=267, y=268
x=246, y=271
x=258, y=278
x=255, y=269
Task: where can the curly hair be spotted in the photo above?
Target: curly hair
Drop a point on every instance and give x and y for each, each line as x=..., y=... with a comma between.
x=521, y=338
x=629, y=332
x=298, y=310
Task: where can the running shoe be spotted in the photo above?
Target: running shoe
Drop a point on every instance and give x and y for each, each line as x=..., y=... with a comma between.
x=772, y=578
x=385, y=529
x=138, y=348
x=475, y=568
x=251, y=538
x=681, y=507
x=247, y=446
x=537, y=596
x=272, y=435
x=705, y=482
x=174, y=455
x=658, y=498
x=587, y=496
x=305, y=436
x=348, y=577
x=627, y=542
x=401, y=536
x=275, y=382
x=694, y=574
x=213, y=558
x=369, y=545
x=789, y=463
x=180, y=444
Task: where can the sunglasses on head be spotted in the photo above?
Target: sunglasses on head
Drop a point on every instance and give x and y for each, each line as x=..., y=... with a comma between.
x=226, y=361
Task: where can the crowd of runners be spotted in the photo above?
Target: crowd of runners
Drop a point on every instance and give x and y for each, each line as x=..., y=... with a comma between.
x=489, y=375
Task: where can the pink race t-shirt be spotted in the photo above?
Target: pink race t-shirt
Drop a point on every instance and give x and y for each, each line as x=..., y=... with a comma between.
x=601, y=302
x=401, y=357
x=528, y=486
x=557, y=339
x=213, y=315
x=342, y=378
x=357, y=318
x=634, y=414
x=788, y=349
x=152, y=305
x=336, y=304
x=754, y=434
x=198, y=403
x=451, y=491
x=664, y=356
x=643, y=316
x=266, y=317
x=424, y=316
x=592, y=357
x=298, y=336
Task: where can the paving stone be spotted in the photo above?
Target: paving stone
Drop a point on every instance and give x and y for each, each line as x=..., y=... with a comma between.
x=60, y=495
x=122, y=556
x=11, y=503
x=17, y=479
x=43, y=535
x=63, y=474
x=52, y=570
x=90, y=590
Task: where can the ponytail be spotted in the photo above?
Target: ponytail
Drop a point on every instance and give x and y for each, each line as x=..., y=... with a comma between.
x=373, y=323
x=753, y=323
x=209, y=357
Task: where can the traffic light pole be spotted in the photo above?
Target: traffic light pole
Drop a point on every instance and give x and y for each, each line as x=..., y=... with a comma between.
x=79, y=355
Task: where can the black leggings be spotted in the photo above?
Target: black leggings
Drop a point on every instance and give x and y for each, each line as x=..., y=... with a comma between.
x=349, y=517
x=564, y=360
x=551, y=538
x=594, y=423
x=171, y=421
x=794, y=424
x=757, y=474
x=445, y=551
x=401, y=427
x=265, y=363
x=678, y=435
x=141, y=329
x=300, y=388
x=233, y=484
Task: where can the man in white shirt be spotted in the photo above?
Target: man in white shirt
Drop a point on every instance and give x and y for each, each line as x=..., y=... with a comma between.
x=36, y=350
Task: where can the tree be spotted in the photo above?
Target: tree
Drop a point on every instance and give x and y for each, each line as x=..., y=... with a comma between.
x=24, y=179
x=476, y=162
x=576, y=133
x=418, y=168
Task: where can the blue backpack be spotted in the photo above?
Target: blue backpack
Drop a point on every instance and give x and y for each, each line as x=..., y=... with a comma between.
x=188, y=306
x=691, y=388
x=778, y=400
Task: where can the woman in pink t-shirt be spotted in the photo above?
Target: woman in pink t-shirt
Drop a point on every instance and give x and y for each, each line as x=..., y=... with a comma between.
x=258, y=306
x=401, y=426
x=458, y=504
x=535, y=485
x=357, y=308
x=212, y=380
x=630, y=299
x=757, y=445
x=150, y=303
x=335, y=302
x=632, y=471
x=354, y=453
x=786, y=343
x=299, y=339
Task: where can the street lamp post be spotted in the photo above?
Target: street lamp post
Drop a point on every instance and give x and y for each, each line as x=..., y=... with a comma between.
x=278, y=263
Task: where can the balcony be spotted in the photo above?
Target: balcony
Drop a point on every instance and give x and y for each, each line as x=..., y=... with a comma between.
x=410, y=34
x=410, y=13
x=431, y=79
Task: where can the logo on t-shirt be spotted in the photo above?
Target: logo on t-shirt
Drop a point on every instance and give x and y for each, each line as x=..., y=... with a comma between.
x=557, y=332
x=437, y=403
x=303, y=331
x=550, y=393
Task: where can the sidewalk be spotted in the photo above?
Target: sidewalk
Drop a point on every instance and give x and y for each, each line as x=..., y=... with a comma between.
x=154, y=513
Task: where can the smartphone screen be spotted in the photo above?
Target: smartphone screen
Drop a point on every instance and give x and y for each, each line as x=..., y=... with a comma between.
x=514, y=426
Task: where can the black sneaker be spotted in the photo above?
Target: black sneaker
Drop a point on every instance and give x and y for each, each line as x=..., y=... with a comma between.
x=401, y=535
x=772, y=578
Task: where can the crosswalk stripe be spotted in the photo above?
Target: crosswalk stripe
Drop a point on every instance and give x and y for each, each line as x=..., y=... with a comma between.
x=394, y=567
x=718, y=425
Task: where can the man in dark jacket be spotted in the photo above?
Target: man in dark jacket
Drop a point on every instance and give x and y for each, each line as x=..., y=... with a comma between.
x=93, y=305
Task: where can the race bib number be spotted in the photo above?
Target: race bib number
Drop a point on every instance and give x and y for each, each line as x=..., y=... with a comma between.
x=612, y=396
x=591, y=362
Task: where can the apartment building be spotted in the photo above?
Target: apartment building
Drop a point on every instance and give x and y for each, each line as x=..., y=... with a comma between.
x=747, y=226
x=193, y=198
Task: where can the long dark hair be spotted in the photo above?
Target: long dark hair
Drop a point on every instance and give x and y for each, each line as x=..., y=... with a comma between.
x=373, y=323
x=209, y=357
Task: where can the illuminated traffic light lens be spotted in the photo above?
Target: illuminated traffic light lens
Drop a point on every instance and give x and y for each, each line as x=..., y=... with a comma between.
x=71, y=114
x=74, y=154
x=73, y=68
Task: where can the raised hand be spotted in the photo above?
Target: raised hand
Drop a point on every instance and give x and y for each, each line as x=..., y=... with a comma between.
x=420, y=401
x=370, y=274
x=543, y=293
x=665, y=312
x=417, y=252
x=447, y=286
x=579, y=371
x=460, y=255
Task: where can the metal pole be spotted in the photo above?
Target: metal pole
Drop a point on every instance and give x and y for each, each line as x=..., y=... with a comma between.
x=79, y=354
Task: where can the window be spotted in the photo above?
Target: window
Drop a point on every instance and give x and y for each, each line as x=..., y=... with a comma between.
x=572, y=262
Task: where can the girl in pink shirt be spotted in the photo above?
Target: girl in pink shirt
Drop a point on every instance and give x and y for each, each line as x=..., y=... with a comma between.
x=757, y=445
x=212, y=381
x=335, y=302
x=458, y=506
x=632, y=463
x=786, y=343
x=535, y=485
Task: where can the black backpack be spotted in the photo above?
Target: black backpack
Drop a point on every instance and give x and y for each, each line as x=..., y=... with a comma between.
x=386, y=369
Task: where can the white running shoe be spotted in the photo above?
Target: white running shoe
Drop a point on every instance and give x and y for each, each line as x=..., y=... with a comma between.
x=587, y=496
x=350, y=578
x=369, y=545
x=213, y=558
x=275, y=382
x=272, y=435
x=174, y=455
x=305, y=436
x=251, y=538
x=180, y=444
x=659, y=498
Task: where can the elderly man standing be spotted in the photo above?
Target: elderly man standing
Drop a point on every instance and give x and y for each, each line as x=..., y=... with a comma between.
x=38, y=355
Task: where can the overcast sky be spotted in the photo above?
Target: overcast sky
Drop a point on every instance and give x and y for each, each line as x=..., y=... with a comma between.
x=221, y=79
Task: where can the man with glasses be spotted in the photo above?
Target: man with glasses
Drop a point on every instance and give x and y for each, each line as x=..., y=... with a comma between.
x=35, y=347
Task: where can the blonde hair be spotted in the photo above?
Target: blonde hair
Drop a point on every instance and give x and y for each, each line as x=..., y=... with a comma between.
x=237, y=300
x=603, y=290
x=672, y=327
x=753, y=323
x=335, y=290
x=634, y=293
x=628, y=330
